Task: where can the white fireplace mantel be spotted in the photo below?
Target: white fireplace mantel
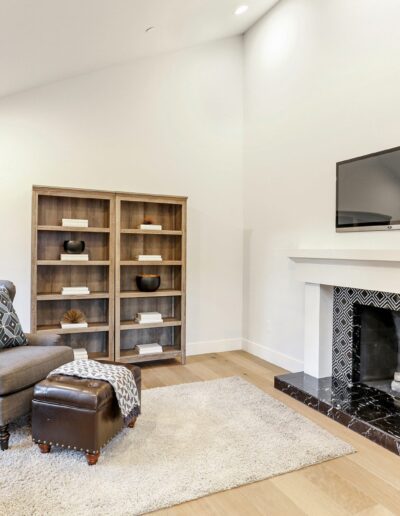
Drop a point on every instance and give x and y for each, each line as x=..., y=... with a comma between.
x=320, y=270
x=357, y=268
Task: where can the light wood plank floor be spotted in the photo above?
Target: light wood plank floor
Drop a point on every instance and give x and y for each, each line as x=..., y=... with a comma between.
x=366, y=483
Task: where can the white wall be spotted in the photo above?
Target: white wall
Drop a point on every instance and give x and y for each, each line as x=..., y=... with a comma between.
x=322, y=82
x=168, y=125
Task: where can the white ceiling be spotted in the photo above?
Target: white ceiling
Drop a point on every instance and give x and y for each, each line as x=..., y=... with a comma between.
x=47, y=40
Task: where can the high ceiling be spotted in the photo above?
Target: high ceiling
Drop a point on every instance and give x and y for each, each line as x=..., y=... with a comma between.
x=47, y=40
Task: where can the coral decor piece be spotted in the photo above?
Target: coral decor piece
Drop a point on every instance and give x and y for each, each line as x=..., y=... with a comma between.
x=73, y=317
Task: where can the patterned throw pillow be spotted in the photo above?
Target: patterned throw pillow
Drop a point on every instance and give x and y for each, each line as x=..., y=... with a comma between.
x=11, y=334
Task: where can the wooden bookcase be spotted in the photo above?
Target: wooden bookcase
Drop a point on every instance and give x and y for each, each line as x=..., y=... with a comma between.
x=50, y=274
x=170, y=298
x=112, y=240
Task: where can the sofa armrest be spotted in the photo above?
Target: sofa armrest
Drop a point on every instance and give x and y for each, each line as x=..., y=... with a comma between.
x=48, y=339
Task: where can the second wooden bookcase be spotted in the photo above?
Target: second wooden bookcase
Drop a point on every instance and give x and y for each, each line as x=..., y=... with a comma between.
x=170, y=298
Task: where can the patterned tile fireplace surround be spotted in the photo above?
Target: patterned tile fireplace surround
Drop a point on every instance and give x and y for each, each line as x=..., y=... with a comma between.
x=369, y=408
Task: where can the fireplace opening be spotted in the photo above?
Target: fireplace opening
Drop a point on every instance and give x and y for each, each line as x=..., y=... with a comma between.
x=376, y=348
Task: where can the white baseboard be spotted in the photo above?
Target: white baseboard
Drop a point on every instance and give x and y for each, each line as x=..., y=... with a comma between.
x=270, y=355
x=275, y=357
x=213, y=346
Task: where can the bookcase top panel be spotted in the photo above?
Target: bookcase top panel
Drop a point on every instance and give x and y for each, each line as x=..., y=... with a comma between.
x=106, y=194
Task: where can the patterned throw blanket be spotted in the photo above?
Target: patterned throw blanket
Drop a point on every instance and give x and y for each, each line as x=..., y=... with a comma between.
x=119, y=377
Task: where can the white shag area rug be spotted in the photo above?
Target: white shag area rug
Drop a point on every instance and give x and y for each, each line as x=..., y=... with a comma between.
x=191, y=440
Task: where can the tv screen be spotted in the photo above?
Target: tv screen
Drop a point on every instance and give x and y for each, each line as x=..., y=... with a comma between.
x=368, y=192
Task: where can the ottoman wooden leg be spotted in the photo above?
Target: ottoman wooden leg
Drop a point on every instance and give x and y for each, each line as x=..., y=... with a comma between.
x=44, y=448
x=92, y=458
x=133, y=422
x=4, y=437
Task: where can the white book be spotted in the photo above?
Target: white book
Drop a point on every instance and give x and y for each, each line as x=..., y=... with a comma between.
x=80, y=289
x=74, y=289
x=81, y=223
x=148, y=315
x=148, y=349
x=74, y=257
x=149, y=321
x=75, y=293
x=149, y=258
x=70, y=326
x=150, y=227
x=75, y=225
x=80, y=354
x=82, y=292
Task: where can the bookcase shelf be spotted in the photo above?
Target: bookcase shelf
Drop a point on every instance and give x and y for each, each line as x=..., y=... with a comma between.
x=67, y=229
x=169, y=352
x=167, y=321
x=135, y=263
x=92, y=327
x=62, y=297
x=157, y=293
x=50, y=274
x=112, y=241
x=77, y=263
x=151, y=232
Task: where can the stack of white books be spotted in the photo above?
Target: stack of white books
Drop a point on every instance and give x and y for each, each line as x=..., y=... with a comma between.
x=74, y=257
x=75, y=291
x=80, y=354
x=150, y=227
x=149, y=258
x=148, y=317
x=71, y=326
x=148, y=349
x=75, y=223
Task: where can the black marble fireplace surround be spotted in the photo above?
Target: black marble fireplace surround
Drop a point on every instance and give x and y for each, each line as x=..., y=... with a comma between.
x=358, y=393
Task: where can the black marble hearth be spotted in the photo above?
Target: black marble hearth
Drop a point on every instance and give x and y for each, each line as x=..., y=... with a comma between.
x=362, y=408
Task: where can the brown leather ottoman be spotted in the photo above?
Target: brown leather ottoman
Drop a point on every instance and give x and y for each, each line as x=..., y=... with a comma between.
x=77, y=413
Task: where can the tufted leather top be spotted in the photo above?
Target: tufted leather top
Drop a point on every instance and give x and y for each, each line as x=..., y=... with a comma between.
x=81, y=393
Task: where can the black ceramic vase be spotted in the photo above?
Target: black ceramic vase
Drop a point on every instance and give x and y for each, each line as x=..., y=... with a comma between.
x=148, y=282
x=74, y=246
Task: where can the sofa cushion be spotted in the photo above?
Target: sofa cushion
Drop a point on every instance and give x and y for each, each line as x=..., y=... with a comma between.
x=24, y=366
x=11, y=333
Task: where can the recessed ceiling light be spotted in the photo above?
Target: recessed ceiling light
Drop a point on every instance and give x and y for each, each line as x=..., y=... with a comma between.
x=241, y=9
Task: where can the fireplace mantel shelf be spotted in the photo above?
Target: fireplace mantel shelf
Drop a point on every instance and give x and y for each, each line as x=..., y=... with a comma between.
x=360, y=255
x=357, y=268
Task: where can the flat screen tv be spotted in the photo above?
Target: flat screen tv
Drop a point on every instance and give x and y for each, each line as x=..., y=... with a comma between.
x=368, y=192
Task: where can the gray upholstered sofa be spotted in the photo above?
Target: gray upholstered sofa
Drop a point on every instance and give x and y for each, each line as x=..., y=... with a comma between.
x=21, y=368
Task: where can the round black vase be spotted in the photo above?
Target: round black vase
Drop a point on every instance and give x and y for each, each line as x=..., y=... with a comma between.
x=148, y=282
x=74, y=246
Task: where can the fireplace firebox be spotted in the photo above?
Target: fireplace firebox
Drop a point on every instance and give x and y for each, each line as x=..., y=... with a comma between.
x=376, y=348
